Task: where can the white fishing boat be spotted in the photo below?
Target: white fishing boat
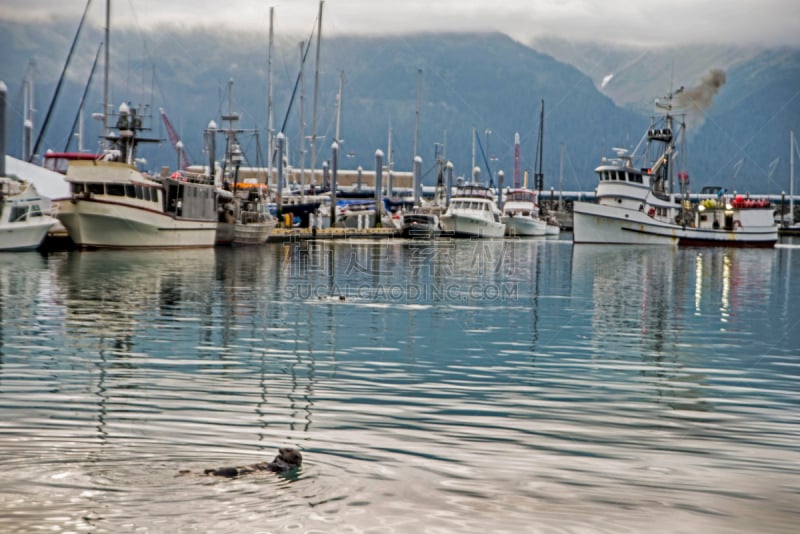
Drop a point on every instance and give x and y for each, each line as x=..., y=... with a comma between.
x=115, y=205
x=521, y=214
x=473, y=213
x=421, y=223
x=24, y=218
x=24, y=221
x=243, y=206
x=552, y=228
x=635, y=203
x=244, y=215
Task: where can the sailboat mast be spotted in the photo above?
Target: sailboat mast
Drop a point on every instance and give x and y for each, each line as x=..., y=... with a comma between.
x=416, y=122
x=538, y=179
x=59, y=84
x=389, y=156
x=791, y=176
x=316, y=94
x=269, y=96
x=78, y=122
x=27, y=124
x=516, y=159
x=339, y=109
x=302, y=122
x=561, y=180
x=472, y=169
x=106, y=67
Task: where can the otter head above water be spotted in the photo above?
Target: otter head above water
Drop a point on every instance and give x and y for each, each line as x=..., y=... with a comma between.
x=288, y=459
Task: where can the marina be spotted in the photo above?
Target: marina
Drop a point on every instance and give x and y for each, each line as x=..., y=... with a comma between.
x=255, y=327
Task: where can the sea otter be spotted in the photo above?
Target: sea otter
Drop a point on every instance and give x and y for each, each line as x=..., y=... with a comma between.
x=287, y=459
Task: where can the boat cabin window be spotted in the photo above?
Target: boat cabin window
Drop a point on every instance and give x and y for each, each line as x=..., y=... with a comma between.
x=130, y=191
x=19, y=213
x=97, y=189
x=117, y=190
x=36, y=211
x=77, y=188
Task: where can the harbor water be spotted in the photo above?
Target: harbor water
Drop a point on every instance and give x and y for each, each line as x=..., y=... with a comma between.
x=448, y=386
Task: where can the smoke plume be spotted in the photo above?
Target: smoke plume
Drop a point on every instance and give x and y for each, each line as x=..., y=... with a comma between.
x=699, y=98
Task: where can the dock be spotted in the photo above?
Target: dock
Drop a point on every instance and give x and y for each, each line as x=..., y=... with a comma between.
x=283, y=235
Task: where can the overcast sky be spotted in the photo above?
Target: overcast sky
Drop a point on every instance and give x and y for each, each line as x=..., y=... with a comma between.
x=768, y=22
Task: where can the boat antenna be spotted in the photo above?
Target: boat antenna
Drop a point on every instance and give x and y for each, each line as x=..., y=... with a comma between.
x=59, y=84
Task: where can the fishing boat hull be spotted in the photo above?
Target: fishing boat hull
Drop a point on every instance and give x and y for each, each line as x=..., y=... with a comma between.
x=240, y=234
x=253, y=233
x=465, y=226
x=104, y=225
x=420, y=226
x=473, y=213
x=524, y=226
x=552, y=228
x=23, y=223
x=602, y=224
x=24, y=236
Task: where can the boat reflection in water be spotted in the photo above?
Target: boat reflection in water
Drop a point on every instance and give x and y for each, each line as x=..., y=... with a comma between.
x=661, y=306
x=609, y=389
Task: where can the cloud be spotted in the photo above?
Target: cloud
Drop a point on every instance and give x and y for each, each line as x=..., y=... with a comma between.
x=769, y=22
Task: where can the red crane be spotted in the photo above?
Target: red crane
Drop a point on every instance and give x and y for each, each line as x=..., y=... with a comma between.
x=175, y=140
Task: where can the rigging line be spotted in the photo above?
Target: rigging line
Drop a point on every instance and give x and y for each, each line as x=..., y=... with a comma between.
x=756, y=132
x=485, y=161
x=571, y=166
x=296, y=86
x=59, y=84
x=83, y=96
x=297, y=80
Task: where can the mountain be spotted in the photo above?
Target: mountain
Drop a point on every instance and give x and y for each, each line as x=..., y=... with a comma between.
x=743, y=132
x=747, y=128
x=632, y=76
x=487, y=82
